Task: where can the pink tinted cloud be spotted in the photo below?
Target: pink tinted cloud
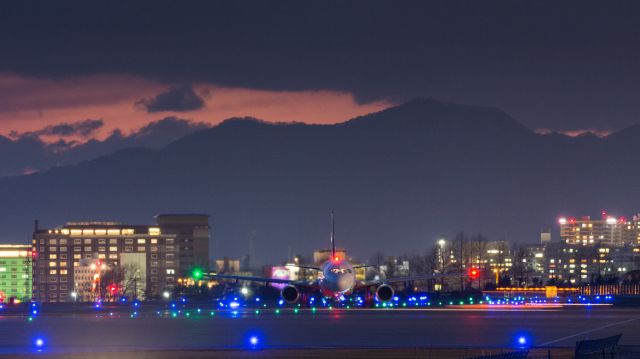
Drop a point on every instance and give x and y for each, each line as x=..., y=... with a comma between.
x=28, y=104
x=575, y=133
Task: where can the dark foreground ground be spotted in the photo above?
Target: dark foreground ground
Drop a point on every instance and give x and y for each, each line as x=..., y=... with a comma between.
x=338, y=333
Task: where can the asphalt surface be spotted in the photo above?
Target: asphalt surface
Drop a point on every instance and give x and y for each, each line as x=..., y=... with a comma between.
x=113, y=330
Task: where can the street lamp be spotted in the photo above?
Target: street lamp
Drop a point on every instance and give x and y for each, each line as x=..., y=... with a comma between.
x=442, y=243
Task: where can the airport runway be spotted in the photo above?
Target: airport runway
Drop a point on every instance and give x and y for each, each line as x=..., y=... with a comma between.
x=437, y=327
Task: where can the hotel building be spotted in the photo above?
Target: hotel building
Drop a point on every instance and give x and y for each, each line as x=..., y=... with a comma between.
x=141, y=251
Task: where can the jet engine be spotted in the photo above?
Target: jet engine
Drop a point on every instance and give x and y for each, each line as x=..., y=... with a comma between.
x=384, y=293
x=290, y=294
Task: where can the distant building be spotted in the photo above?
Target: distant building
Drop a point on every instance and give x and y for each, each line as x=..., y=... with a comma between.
x=129, y=248
x=545, y=237
x=15, y=272
x=227, y=265
x=322, y=255
x=192, y=233
x=584, y=231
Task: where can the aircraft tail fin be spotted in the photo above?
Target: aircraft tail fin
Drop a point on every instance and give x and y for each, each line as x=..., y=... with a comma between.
x=333, y=237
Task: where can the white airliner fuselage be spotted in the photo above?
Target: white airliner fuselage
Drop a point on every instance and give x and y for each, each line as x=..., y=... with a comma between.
x=337, y=277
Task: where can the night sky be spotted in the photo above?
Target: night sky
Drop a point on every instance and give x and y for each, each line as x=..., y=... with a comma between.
x=560, y=66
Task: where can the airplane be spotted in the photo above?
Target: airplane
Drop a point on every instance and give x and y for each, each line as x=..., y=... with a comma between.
x=336, y=279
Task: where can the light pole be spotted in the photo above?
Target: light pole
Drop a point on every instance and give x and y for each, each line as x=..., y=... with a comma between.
x=442, y=243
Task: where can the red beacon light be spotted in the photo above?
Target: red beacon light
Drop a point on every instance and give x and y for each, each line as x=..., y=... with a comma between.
x=336, y=259
x=474, y=272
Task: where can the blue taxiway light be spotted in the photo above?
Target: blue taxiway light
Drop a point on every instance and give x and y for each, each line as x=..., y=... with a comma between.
x=39, y=343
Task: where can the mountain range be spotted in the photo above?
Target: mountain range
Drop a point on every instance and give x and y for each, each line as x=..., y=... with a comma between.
x=397, y=180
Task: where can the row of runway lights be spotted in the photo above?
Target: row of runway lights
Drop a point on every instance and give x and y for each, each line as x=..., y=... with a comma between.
x=357, y=302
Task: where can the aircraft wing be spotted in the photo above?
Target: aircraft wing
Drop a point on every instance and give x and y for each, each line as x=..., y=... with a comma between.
x=260, y=279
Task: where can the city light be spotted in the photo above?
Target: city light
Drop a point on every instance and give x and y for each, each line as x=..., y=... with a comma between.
x=166, y=295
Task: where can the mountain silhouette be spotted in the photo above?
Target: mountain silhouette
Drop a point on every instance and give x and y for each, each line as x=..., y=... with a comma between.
x=397, y=180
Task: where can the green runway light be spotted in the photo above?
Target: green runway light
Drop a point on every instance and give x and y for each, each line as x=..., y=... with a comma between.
x=461, y=302
x=277, y=311
x=295, y=310
x=174, y=314
x=313, y=310
x=212, y=313
x=187, y=314
x=31, y=319
x=257, y=311
x=197, y=274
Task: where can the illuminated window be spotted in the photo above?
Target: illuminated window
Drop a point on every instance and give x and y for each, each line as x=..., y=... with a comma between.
x=113, y=249
x=141, y=249
x=128, y=241
x=102, y=249
x=77, y=256
x=102, y=241
x=141, y=241
x=53, y=256
x=63, y=249
x=113, y=232
x=63, y=271
x=127, y=231
x=102, y=256
x=64, y=231
x=76, y=232
x=154, y=231
x=101, y=232
x=113, y=241
x=87, y=232
x=113, y=256
x=53, y=249
x=53, y=264
x=128, y=248
x=77, y=241
x=87, y=249
x=63, y=241
x=53, y=271
x=171, y=271
x=87, y=241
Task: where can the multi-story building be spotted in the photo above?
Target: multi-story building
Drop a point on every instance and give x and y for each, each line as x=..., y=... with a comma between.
x=142, y=255
x=587, y=231
x=193, y=234
x=15, y=272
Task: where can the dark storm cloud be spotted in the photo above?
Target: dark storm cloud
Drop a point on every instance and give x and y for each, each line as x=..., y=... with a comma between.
x=177, y=98
x=559, y=65
x=83, y=128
